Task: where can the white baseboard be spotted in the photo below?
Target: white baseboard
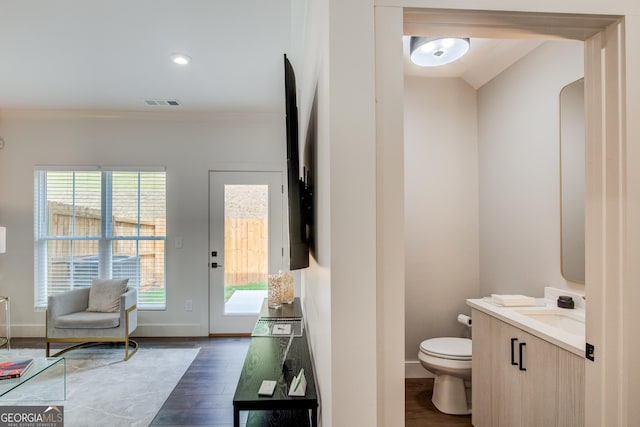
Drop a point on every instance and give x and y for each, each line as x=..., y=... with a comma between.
x=169, y=330
x=25, y=331
x=413, y=369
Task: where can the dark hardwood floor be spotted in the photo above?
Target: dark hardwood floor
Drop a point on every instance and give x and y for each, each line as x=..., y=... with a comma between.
x=204, y=395
x=419, y=410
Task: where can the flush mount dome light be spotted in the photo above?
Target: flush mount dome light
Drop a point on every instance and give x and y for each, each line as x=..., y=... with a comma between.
x=180, y=58
x=431, y=52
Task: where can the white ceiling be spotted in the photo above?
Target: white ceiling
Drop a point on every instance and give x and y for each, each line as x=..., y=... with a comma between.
x=113, y=55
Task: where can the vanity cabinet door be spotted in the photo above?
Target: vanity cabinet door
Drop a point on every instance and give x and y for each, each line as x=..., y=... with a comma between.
x=481, y=374
x=571, y=390
x=539, y=393
x=506, y=405
x=525, y=369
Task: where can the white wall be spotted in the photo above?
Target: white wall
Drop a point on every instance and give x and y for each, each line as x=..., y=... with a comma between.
x=441, y=209
x=519, y=171
x=352, y=179
x=631, y=367
x=390, y=265
x=339, y=288
x=312, y=79
x=188, y=145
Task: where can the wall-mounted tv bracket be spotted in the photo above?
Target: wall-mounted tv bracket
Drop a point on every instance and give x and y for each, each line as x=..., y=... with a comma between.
x=306, y=198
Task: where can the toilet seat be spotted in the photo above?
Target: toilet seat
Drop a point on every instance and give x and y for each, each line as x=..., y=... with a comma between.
x=447, y=348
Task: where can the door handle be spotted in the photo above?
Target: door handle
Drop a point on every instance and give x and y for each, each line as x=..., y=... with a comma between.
x=513, y=351
x=522, y=345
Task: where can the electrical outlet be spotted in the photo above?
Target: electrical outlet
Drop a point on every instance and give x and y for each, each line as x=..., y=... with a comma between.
x=188, y=305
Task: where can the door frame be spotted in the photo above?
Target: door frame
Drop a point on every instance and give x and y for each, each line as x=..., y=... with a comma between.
x=608, y=251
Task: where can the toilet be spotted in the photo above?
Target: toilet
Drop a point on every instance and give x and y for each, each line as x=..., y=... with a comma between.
x=449, y=359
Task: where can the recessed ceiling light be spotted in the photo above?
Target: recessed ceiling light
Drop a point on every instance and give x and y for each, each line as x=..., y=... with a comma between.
x=431, y=52
x=180, y=58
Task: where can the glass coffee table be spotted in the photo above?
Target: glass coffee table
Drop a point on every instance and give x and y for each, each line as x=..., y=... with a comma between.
x=7, y=313
x=45, y=380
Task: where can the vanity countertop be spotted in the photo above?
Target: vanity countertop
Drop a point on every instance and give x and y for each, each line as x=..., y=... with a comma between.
x=570, y=339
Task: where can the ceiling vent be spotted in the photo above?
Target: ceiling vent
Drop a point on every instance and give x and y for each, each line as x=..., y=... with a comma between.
x=163, y=102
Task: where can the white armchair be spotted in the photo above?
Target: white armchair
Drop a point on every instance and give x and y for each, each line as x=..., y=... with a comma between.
x=68, y=320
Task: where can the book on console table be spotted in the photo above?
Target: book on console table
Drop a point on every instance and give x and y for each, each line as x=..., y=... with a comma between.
x=14, y=368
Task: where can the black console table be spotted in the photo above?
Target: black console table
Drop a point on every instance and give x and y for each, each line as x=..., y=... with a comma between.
x=264, y=362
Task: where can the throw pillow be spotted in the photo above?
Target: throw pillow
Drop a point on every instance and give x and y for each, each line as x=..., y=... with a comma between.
x=104, y=295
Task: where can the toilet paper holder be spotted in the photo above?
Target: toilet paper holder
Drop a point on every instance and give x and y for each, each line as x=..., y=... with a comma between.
x=465, y=320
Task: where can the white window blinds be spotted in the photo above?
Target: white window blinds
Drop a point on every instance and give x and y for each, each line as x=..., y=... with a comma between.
x=100, y=223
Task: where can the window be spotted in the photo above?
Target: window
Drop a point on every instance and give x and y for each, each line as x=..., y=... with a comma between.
x=100, y=223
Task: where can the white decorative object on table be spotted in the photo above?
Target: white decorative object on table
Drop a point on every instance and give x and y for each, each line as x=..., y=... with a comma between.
x=274, y=293
x=286, y=283
x=298, y=385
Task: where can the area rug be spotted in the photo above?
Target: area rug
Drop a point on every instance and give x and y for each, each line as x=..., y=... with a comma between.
x=104, y=390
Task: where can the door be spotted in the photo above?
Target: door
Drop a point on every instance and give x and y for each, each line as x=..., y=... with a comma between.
x=524, y=385
x=539, y=381
x=570, y=407
x=481, y=373
x=245, y=245
x=507, y=382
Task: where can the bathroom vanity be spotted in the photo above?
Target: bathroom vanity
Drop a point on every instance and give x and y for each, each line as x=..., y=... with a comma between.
x=528, y=365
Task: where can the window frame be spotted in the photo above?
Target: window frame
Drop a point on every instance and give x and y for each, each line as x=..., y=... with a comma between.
x=105, y=239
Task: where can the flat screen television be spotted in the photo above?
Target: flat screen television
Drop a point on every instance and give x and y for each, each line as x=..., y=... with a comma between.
x=300, y=195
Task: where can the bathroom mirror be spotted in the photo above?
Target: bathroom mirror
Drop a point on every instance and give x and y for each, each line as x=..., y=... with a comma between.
x=572, y=181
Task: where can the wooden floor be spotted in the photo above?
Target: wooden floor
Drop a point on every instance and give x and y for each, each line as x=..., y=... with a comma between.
x=419, y=410
x=204, y=395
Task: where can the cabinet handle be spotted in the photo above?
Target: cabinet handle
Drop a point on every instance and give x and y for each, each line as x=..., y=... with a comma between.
x=513, y=351
x=522, y=345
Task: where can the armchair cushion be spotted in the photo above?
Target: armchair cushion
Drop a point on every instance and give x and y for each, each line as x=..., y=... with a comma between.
x=104, y=295
x=84, y=320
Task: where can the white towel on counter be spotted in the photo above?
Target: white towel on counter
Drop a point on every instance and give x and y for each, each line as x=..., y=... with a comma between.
x=513, y=300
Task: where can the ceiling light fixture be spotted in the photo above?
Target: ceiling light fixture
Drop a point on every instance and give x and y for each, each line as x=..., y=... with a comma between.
x=435, y=51
x=180, y=58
